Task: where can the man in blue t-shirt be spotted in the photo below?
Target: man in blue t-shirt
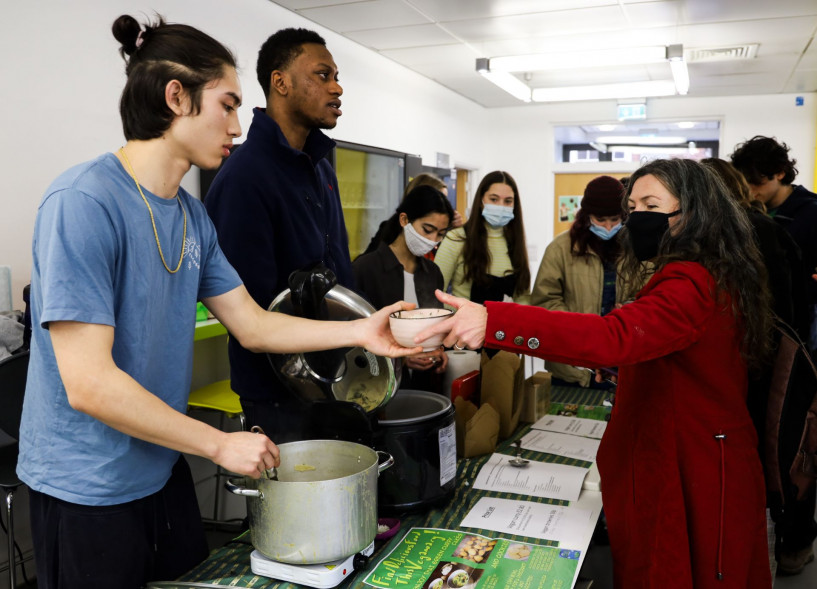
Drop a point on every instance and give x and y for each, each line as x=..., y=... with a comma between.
x=121, y=255
x=276, y=206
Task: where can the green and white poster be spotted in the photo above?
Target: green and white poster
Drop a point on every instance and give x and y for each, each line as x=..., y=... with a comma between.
x=429, y=558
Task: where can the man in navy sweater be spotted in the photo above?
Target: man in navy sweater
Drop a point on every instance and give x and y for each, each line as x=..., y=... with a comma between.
x=276, y=206
x=767, y=168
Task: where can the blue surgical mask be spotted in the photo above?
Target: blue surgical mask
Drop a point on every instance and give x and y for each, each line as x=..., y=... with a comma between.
x=603, y=232
x=497, y=215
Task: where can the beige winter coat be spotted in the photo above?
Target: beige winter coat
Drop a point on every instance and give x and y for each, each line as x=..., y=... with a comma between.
x=566, y=282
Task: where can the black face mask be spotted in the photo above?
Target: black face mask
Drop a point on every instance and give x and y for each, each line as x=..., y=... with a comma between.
x=646, y=228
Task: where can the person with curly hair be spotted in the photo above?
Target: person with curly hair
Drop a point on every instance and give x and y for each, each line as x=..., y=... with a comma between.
x=770, y=172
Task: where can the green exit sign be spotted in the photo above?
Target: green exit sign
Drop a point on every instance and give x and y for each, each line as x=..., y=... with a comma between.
x=631, y=112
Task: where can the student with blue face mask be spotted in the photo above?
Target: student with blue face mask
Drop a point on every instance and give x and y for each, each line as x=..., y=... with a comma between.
x=578, y=272
x=486, y=259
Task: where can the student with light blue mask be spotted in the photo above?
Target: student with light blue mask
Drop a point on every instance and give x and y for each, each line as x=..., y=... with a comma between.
x=486, y=259
x=579, y=271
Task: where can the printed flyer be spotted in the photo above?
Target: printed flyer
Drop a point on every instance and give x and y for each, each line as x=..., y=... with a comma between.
x=429, y=558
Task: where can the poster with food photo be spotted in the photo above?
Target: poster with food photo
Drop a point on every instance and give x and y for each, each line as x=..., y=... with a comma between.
x=430, y=558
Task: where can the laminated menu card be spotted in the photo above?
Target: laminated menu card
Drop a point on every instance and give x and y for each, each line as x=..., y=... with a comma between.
x=576, y=447
x=539, y=479
x=577, y=426
x=430, y=558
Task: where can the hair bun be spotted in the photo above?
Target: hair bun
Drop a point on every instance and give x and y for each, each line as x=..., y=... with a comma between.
x=126, y=30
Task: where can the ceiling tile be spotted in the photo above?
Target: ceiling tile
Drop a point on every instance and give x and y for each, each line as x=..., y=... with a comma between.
x=793, y=30
x=372, y=14
x=454, y=10
x=744, y=10
x=539, y=25
x=577, y=42
x=399, y=37
x=297, y=5
x=654, y=14
x=803, y=80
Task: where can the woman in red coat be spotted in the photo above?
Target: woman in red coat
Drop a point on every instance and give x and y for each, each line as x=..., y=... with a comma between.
x=682, y=482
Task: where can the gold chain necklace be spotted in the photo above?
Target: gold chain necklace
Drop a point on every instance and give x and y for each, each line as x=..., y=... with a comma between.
x=153, y=221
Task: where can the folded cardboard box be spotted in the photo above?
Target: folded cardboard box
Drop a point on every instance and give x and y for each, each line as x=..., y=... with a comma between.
x=536, y=398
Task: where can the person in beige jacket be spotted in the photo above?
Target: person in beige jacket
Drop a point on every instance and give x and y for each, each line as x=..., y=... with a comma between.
x=579, y=271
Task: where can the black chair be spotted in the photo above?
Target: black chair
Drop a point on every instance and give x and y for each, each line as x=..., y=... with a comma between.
x=13, y=372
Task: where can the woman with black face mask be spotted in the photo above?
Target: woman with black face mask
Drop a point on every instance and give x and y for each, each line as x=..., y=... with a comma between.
x=682, y=482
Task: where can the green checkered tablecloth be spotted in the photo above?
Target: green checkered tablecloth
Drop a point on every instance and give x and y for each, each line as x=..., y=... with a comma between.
x=230, y=565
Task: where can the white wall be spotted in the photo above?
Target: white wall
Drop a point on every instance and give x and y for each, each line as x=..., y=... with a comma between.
x=61, y=88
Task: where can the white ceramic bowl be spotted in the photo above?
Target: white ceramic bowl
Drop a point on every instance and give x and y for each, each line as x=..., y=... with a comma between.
x=405, y=325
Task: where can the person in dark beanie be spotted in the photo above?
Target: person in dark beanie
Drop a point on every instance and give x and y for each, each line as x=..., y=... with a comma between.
x=578, y=272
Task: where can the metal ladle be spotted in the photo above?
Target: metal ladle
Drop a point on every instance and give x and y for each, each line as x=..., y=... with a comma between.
x=518, y=461
x=270, y=473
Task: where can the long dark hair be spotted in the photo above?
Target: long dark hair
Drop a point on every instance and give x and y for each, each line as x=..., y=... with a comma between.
x=156, y=55
x=714, y=231
x=582, y=240
x=475, y=254
x=735, y=183
x=423, y=200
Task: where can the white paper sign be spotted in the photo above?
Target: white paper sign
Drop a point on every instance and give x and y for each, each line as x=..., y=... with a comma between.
x=540, y=479
x=577, y=426
x=448, y=453
x=561, y=444
x=563, y=524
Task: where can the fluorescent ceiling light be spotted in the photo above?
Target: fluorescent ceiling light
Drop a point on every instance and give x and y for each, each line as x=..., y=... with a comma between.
x=604, y=91
x=686, y=125
x=509, y=83
x=606, y=128
x=579, y=59
x=497, y=70
x=680, y=74
x=639, y=140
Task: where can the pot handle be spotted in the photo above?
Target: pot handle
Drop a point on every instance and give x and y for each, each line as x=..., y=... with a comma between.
x=381, y=466
x=235, y=489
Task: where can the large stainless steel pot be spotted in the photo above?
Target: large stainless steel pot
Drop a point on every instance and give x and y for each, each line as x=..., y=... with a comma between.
x=323, y=507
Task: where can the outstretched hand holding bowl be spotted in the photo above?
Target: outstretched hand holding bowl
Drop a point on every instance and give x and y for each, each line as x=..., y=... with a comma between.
x=464, y=329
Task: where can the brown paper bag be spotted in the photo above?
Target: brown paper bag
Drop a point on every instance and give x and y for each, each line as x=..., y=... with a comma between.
x=502, y=386
x=477, y=428
x=536, y=398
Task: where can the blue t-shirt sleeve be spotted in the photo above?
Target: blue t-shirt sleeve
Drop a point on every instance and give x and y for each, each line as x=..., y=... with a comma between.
x=76, y=265
x=217, y=275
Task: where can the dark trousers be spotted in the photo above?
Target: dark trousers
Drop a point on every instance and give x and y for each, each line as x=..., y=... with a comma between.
x=159, y=537
x=796, y=528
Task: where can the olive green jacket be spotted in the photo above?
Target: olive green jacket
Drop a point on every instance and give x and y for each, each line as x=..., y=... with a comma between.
x=566, y=282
